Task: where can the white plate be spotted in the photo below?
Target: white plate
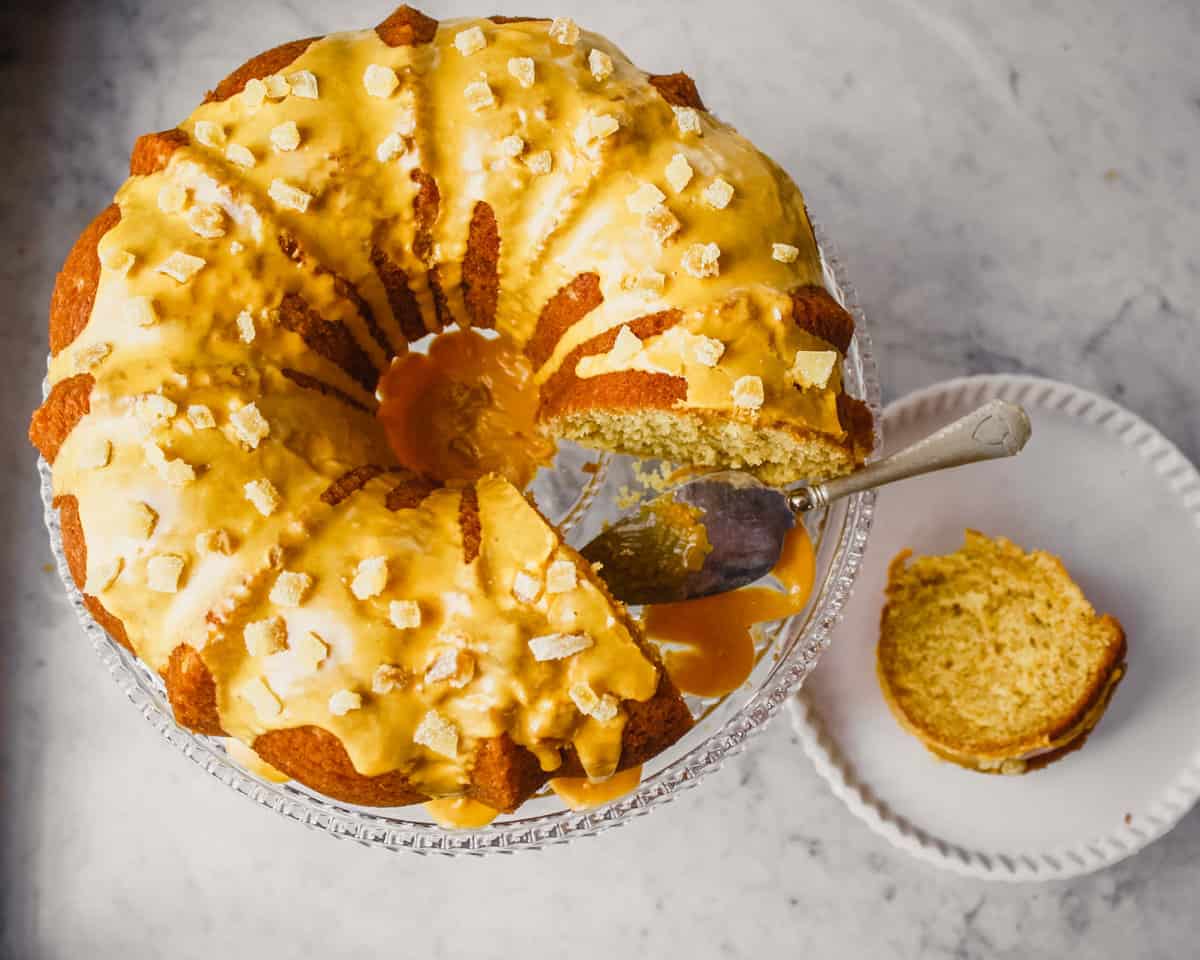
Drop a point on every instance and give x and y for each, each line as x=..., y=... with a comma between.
x=1121, y=505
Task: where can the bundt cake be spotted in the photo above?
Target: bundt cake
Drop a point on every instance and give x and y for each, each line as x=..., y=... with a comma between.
x=230, y=506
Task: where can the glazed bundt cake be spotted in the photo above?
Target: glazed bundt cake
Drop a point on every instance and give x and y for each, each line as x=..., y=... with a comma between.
x=230, y=507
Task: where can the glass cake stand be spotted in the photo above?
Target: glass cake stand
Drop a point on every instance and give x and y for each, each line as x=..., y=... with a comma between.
x=581, y=492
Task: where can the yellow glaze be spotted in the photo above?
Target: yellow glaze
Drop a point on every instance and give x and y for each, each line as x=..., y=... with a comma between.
x=553, y=226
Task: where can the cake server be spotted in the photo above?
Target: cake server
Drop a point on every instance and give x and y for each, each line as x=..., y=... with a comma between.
x=724, y=530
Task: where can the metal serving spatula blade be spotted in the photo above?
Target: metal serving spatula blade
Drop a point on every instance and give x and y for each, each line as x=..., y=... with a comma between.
x=657, y=554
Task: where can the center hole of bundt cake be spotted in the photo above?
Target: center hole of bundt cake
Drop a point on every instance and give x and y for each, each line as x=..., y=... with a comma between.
x=462, y=405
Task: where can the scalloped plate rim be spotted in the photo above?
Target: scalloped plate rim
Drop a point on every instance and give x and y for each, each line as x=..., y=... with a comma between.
x=1172, y=805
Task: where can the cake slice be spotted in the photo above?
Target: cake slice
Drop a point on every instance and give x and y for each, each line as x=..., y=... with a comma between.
x=993, y=657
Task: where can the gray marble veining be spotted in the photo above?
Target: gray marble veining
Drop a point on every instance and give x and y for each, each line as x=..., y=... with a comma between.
x=1013, y=186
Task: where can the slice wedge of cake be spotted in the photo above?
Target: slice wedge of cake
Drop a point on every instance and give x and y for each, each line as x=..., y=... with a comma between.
x=993, y=657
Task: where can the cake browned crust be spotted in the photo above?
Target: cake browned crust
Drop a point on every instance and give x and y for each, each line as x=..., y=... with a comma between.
x=333, y=325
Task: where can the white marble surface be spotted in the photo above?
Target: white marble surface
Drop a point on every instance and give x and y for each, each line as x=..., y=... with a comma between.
x=1014, y=186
